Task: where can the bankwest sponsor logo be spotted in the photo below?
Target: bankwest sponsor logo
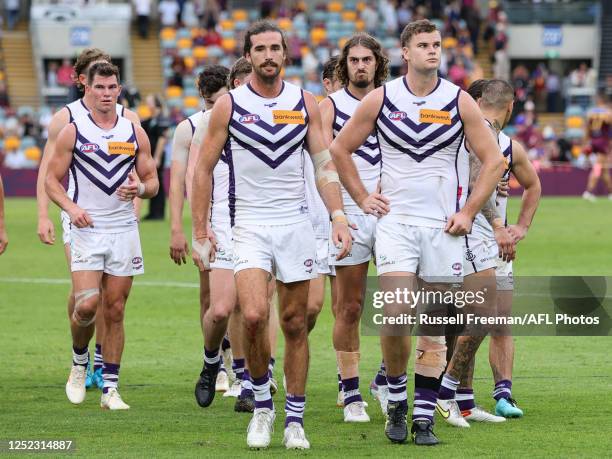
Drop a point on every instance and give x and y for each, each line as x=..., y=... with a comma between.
x=288, y=117
x=434, y=116
x=249, y=119
x=121, y=148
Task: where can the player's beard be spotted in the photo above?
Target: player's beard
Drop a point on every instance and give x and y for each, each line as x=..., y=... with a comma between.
x=360, y=83
x=268, y=79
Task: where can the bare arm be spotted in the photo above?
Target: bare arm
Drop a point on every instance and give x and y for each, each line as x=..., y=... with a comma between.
x=178, y=169
x=3, y=236
x=330, y=191
x=326, y=107
x=57, y=169
x=46, y=231
x=210, y=152
x=132, y=116
x=145, y=166
x=483, y=145
x=489, y=210
x=350, y=138
x=528, y=178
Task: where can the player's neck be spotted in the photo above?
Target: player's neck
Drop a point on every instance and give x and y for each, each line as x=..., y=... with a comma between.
x=88, y=102
x=359, y=93
x=496, y=120
x=422, y=84
x=104, y=120
x=264, y=89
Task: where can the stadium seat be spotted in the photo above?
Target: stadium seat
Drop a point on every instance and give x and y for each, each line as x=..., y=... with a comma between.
x=359, y=25
x=185, y=52
x=334, y=7
x=189, y=81
x=12, y=143
x=227, y=24
x=188, y=111
x=25, y=110
x=285, y=24
x=241, y=25
x=168, y=44
x=183, y=33
x=32, y=153
x=200, y=52
x=240, y=15
x=349, y=15
x=573, y=133
x=173, y=92
x=574, y=110
x=215, y=51
x=317, y=35
x=574, y=122
x=360, y=6
x=189, y=62
x=168, y=33
x=144, y=112
x=175, y=102
x=228, y=44
x=190, y=91
x=191, y=102
x=28, y=142
x=184, y=43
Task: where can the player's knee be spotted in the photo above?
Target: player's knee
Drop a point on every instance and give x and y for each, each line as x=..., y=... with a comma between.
x=255, y=319
x=114, y=310
x=293, y=325
x=220, y=312
x=430, y=356
x=349, y=311
x=85, y=306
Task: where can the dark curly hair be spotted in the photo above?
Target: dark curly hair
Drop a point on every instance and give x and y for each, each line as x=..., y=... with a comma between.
x=84, y=60
x=211, y=79
x=367, y=41
x=329, y=68
x=476, y=88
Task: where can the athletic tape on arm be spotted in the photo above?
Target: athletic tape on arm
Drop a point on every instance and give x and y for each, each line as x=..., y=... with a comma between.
x=322, y=175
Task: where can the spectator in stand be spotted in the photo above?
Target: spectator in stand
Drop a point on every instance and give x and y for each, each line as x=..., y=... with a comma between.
x=179, y=13
x=501, y=66
x=520, y=82
x=538, y=86
x=472, y=19
x=12, y=13
x=177, y=74
x=295, y=44
x=369, y=16
x=313, y=84
x=457, y=74
x=210, y=17
x=388, y=12
x=553, y=92
x=52, y=75
x=156, y=128
x=583, y=77
x=213, y=38
x=168, y=12
x=4, y=100
x=143, y=11
x=396, y=60
x=404, y=14
x=65, y=74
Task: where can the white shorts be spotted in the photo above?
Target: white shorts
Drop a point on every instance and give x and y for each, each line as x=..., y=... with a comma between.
x=288, y=252
x=323, y=258
x=224, y=258
x=431, y=253
x=504, y=275
x=117, y=254
x=364, y=239
x=65, y=219
x=479, y=254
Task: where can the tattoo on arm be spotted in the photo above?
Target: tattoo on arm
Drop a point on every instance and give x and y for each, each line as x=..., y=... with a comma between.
x=489, y=210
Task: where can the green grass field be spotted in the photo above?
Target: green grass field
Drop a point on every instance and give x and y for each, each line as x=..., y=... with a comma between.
x=562, y=383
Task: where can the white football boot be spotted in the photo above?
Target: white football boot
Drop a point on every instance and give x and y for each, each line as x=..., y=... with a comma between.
x=259, y=432
x=478, y=414
x=112, y=401
x=234, y=390
x=75, y=387
x=449, y=410
x=295, y=437
x=222, y=382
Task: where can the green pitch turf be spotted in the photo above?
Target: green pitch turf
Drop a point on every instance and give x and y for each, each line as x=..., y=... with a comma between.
x=562, y=383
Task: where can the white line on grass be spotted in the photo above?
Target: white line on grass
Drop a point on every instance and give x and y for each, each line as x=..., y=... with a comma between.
x=45, y=280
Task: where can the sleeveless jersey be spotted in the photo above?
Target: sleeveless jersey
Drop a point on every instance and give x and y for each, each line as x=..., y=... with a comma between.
x=481, y=226
x=316, y=208
x=101, y=162
x=194, y=149
x=264, y=151
x=76, y=110
x=366, y=158
x=420, y=138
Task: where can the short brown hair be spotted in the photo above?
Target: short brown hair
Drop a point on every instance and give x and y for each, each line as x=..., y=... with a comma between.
x=261, y=27
x=84, y=60
x=476, y=88
x=211, y=79
x=367, y=41
x=497, y=94
x=241, y=68
x=414, y=28
x=329, y=68
x=104, y=69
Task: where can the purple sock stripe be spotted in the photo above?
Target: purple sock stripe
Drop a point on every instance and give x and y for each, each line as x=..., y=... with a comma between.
x=465, y=391
x=396, y=390
x=289, y=419
x=264, y=404
x=225, y=344
x=350, y=384
x=80, y=351
x=397, y=380
x=296, y=398
x=380, y=379
x=213, y=354
x=261, y=380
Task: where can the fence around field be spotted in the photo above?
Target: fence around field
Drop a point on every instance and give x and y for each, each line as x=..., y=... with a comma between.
x=557, y=181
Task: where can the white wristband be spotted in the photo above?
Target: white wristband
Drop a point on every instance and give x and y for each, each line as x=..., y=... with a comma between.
x=141, y=189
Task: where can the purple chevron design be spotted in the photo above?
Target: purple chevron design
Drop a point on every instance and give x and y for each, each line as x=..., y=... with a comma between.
x=105, y=172
x=106, y=157
x=411, y=124
x=269, y=144
x=109, y=190
x=420, y=157
x=273, y=163
x=373, y=160
x=262, y=124
x=415, y=142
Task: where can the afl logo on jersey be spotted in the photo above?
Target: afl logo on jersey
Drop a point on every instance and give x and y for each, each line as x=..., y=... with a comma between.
x=249, y=119
x=397, y=116
x=89, y=148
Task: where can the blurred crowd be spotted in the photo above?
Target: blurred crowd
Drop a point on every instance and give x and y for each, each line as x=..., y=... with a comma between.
x=204, y=32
